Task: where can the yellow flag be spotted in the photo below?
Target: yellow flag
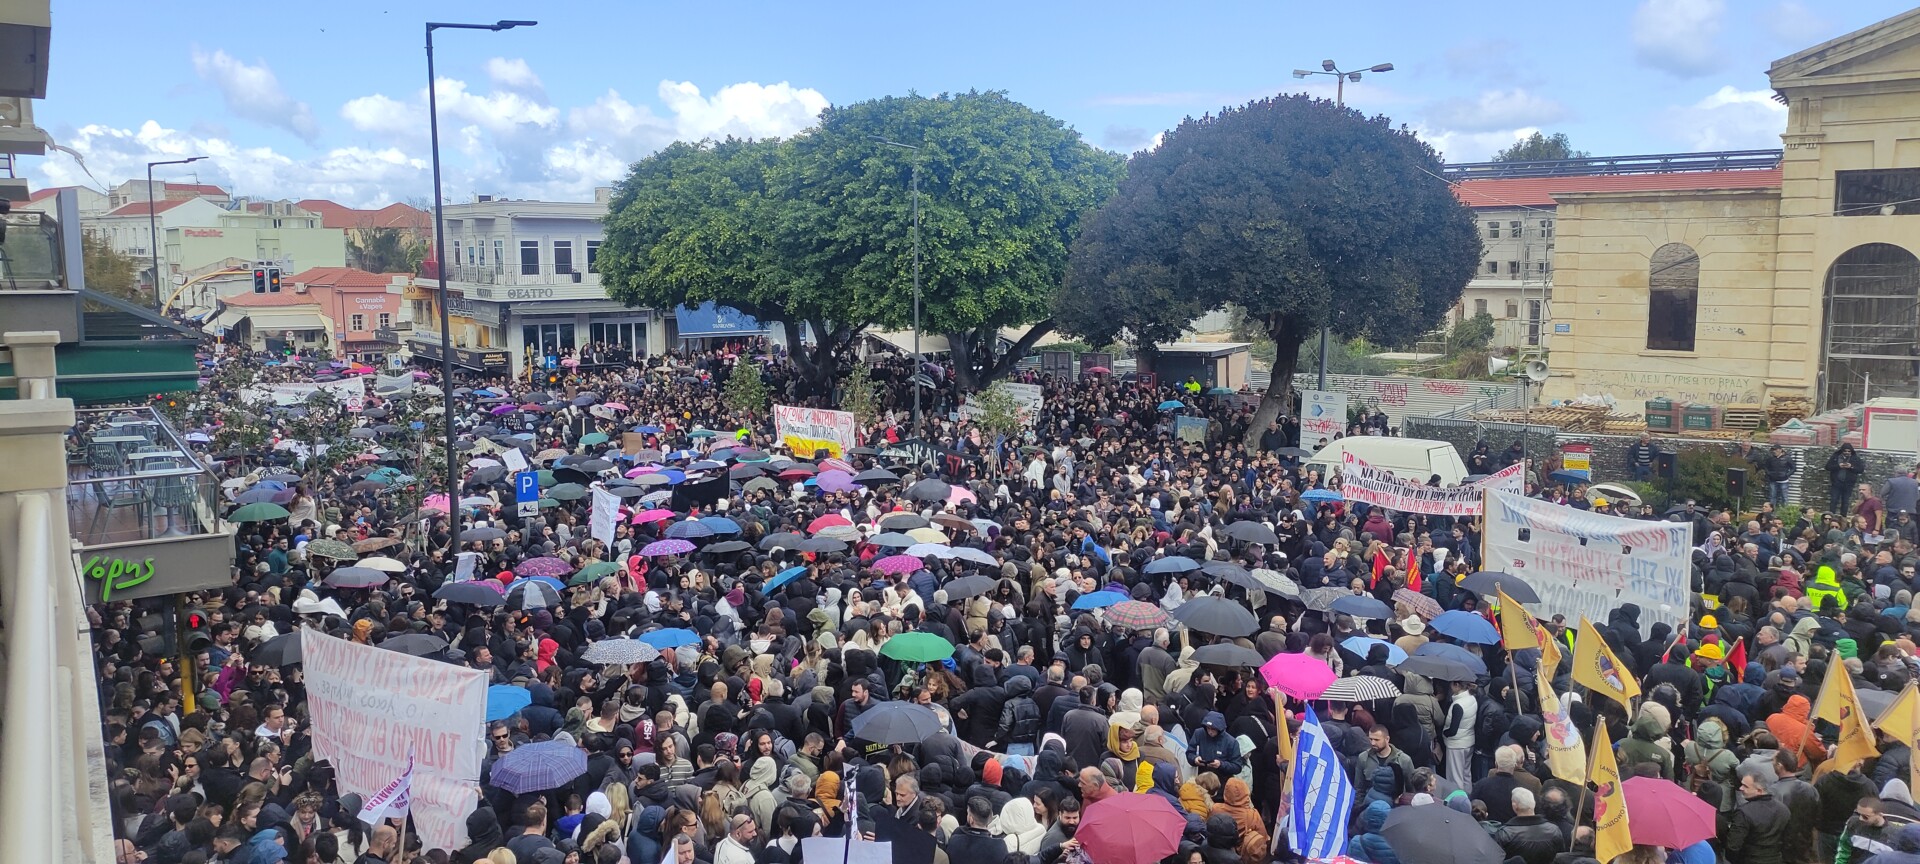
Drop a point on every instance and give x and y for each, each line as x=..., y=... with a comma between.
x=1611, y=837
x=1901, y=720
x=1516, y=628
x=1565, y=757
x=1283, y=745
x=1595, y=668
x=1840, y=705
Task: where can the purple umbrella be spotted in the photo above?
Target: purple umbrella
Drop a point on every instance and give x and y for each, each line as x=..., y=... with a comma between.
x=508, y=408
x=894, y=565
x=549, y=567
x=539, y=767
x=835, y=481
x=673, y=546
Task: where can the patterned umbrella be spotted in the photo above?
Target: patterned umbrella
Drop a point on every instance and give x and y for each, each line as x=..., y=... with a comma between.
x=620, y=652
x=553, y=568
x=334, y=549
x=895, y=565
x=1137, y=615
x=673, y=546
x=531, y=594
x=688, y=530
x=1422, y=605
x=1360, y=688
x=539, y=767
x=831, y=520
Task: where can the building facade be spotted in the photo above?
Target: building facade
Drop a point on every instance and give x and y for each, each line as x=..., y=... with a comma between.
x=198, y=232
x=349, y=314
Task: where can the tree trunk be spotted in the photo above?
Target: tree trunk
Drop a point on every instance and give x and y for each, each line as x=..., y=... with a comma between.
x=1287, y=335
x=960, y=349
x=1146, y=357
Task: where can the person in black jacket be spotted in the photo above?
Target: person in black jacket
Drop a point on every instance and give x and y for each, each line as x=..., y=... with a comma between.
x=977, y=711
x=1019, y=728
x=972, y=842
x=1757, y=830
x=1527, y=836
x=1685, y=681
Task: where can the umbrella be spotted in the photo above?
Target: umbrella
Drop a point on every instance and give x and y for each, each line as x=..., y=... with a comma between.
x=831, y=520
x=690, y=529
x=823, y=545
x=1363, y=646
x=1360, y=688
x=532, y=594
x=356, y=577
x=759, y=484
x=594, y=571
x=260, y=512
x=567, y=492
x=929, y=491
x=745, y=471
x=1361, y=606
x=485, y=535
x=1422, y=605
x=671, y=637
x=968, y=587
x=784, y=578
x=1437, y=668
x=374, y=544
x=894, y=565
x=264, y=495
x=620, y=652
x=1228, y=654
x=1488, y=583
x=1298, y=675
x=382, y=564
x=1172, y=564
x=1568, y=477
x=1252, y=532
x=645, y=516
x=917, y=647
x=539, y=767
x=279, y=652
x=592, y=438
x=594, y=466
x=928, y=534
x=835, y=481
x=1453, y=653
x=902, y=521
x=334, y=549
x=953, y=522
x=670, y=546
x=1274, y=582
x=727, y=546
x=922, y=550
x=1665, y=814
x=875, y=477
x=552, y=568
x=970, y=554
x=1136, y=615
x=549, y=454
x=1098, y=600
x=1294, y=453
x=471, y=593
x=1321, y=495
x=1437, y=835
x=1130, y=828
x=891, y=539
x=1466, y=627
x=1171, y=405
x=782, y=540
x=504, y=700
x=1216, y=615
x=415, y=644
x=896, y=723
x=1232, y=574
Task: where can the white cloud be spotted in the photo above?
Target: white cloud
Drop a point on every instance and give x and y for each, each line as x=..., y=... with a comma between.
x=745, y=110
x=253, y=93
x=513, y=74
x=1680, y=37
x=1495, y=110
x=1458, y=146
x=1790, y=21
x=1730, y=119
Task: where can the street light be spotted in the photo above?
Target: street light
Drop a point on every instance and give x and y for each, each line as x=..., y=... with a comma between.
x=153, y=223
x=916, y=277
x=440, y=264
x=1328, y=67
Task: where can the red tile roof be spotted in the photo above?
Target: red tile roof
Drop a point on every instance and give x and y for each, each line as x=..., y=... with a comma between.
x=44, y=194
x=341, y=277
x=287, y=297
x=195, y=188
x=1539, y=191
x=337, y=215
x=139, y=208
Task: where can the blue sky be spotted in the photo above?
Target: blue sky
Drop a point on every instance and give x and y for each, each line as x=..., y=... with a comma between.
x=327, y=99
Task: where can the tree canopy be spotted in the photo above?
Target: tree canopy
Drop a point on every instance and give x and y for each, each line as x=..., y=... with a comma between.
x=385, y=250
x=1299, y=211
x=818, y=229
x=1540, y=148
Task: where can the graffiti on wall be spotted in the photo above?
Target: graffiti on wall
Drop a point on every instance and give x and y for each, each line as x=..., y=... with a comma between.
x=1715, y=389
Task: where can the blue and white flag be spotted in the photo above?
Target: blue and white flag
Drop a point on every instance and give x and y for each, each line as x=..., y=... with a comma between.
x=1322, y=796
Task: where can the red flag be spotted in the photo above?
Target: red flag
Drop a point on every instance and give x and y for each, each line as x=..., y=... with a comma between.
x=1737, y=660
x=1379, y=568
x=1413, y=569
x=1679, y=636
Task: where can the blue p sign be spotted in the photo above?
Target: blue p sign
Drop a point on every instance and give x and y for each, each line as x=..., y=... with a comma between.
x=526, y=486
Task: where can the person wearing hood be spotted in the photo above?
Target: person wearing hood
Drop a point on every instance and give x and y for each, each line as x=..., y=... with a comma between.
x=1236, y=800
x=1418, y=694
x=758, y=793
x=1018, y=731
x=1223, y=841
x=1791, y=725
x=1839, y=790
x=1164, y=784
x=643, y=841
x=1212, y=749
x=977, y=711
x=1017, y=825
x=1646, y=740
x=483, y=836
x=1370, y=845
x=1677, y=672
x=1708, y=758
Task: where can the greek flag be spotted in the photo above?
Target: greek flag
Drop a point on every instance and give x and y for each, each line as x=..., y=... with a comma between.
x=1322, y=797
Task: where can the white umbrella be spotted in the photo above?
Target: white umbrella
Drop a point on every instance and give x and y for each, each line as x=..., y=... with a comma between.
x=383, y=564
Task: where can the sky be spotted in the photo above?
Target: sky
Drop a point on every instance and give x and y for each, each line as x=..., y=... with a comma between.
x=328, y=100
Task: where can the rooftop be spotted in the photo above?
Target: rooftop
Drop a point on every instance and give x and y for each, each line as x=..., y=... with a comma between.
x=1539, y=191
x=141, y=208
x=318, y=282
x=336, y=215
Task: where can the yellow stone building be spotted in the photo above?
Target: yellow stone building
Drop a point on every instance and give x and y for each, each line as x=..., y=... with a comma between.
x=1737, y=286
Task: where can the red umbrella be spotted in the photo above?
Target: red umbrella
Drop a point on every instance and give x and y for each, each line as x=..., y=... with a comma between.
x=1664, y=814
x=1298, y=675
x=831, y=520
x=1130, y=828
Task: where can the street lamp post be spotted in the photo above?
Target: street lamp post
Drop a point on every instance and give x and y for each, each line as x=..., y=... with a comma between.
x=153, y=228
x=1340, y=79
x=916, y=278
x=440, y=265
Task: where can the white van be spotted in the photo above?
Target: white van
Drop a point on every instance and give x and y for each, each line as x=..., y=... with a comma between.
x=1414, y=460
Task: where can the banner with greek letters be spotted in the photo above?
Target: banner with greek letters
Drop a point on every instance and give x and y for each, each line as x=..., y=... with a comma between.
x=372, y=708
x=807, y=430
x=1365, y=483
x=1584, y=563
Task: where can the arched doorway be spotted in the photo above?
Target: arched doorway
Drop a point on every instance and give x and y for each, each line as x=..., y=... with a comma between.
x=1871, y=342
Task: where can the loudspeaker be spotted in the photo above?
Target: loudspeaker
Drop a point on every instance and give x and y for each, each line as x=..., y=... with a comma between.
x=1737, y=484
x=1663, y=464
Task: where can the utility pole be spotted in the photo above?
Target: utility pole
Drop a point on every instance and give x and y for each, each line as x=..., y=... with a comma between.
x=1340, y=79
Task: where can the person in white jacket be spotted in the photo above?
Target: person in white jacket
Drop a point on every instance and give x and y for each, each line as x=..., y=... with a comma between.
x=1457, y=734
x=1023, y=831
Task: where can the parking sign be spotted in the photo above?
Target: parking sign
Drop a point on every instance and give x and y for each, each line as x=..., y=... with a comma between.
x=526, y=493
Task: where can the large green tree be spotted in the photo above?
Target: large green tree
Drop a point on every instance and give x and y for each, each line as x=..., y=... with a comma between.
x=1301, y=212
x=111, y=272
x=1540, y=148
x=385, y=250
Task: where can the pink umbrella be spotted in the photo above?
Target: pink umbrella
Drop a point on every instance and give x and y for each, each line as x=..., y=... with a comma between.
x=1298, y=675
x=614, y=405
x=958, y=494
x=422, y=376
x=645, y=516
x=435, y=502
x=894, y=565
x=671, y=546
x=1130, y=828
x=835, y=465
x=569, y=362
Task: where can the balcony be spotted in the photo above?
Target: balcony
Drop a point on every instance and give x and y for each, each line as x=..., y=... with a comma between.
x=143, y=507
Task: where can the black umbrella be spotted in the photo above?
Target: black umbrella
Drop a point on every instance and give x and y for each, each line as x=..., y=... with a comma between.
x=863, y=451
x=529, y=594
x=1488, y=583
x=595, y=466
x=875, y=477
x=903, y=521
x=822, y=545
x=416, y=644
x=744, y=471
x=1294, y=453
x=627, y=491
x=967, y=587
x=726, y=546
x=1227, y=654
x=1362, y=606
x=572, y=475
x=489, y=473
x=1216, y=615
x=1437, y=668
x=484, y=535
x=471, y=593
x=783, y=540
x=280, y=651
x=1439, y=835
x=896, y=723
x=930, y=491
x=1251, y=532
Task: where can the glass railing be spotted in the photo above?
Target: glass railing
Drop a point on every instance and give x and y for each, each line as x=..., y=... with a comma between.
x=132, y=477
x=30, y=254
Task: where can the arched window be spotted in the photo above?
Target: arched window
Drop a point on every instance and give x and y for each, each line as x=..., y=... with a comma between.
x=1673, y=297
x=1872, y=333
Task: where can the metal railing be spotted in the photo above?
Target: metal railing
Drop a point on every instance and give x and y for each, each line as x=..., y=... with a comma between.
x=142, y=481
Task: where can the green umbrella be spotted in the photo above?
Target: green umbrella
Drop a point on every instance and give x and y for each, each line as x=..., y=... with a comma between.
x=594, y=571
x=568, y=492
x=548, y=503
x=334, y=549
x=546, y=477
x=261, y=512
x=385, y=474
x=592, y=438
x=701, y=433
x=917, y=647
x=759, y=483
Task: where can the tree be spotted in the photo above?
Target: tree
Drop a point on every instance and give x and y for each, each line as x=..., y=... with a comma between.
x=1304, y=213
x=996, y=412
x=1540, y=148
x=111, y=272
x=1471, y=334
x=745, y=392
x=859, y=396
x=385, y=250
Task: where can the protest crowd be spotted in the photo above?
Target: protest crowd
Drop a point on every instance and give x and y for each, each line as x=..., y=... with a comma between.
x=1094, y=640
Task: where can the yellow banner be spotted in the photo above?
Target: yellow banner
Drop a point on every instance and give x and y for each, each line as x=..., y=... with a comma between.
x=1595, y=668
x=1612, y=837
x=1566, y=758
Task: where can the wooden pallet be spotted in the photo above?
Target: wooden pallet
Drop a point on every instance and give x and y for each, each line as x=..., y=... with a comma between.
x=1780, y=409
x=1747, y=418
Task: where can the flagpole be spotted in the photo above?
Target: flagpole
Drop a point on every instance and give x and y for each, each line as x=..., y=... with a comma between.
x=1580, y=806
x=400, y=854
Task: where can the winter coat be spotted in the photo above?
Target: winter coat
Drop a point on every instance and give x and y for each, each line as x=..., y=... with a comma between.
x=1209, y=745
x=1708, y=751
x=1756, y=832
x=1372, y=846
x=1790, y=726
x=643, y=842
x=1237, y=802
x=1531, y=838
x=1643, y=741
x=1223, y=838
x=1019, y=715
x=975, y=845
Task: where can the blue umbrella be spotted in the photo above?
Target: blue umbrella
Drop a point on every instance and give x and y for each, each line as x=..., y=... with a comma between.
x=674, y=476
x=786, y=577
x=548, y=581
x=1361, y=645
x=672, y=637
x=1362, y=606
x=539, y=767
x=647, y=430
x=679, y=455
x=1173, y=564
x=1171, y=405
x=503, y=700
x=1568, y=477
x=688, y=530
x=1466, y=627
x=1455, y=653
x=720, y=524
x=1321, y=495
x=1099, y=600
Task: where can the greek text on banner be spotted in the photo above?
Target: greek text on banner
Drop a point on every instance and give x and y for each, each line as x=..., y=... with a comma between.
x=1365, y=483
x=806, y=430
x=1590, y=564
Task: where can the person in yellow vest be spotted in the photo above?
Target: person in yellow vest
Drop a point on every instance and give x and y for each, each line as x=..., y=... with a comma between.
x=1192, y=386
x=1825, y=588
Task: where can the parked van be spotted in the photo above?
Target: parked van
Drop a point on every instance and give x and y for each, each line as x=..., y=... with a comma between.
x=1414, y=460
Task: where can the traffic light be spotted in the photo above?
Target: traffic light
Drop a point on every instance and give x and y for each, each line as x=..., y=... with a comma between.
x=197, y=635
x=259, y=281
x=273, y=280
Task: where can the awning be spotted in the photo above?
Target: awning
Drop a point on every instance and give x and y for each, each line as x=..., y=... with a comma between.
x=265, y=322
x=902, y=341
x=709, y=319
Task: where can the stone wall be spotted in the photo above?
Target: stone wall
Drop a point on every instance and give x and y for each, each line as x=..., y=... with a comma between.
x=1610, y=453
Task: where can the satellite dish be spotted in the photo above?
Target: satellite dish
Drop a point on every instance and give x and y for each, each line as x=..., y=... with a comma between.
x=1495, y=364
x=1536, y=371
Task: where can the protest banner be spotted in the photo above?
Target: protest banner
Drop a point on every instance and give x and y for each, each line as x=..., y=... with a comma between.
x=808, y=430
x=1028, y=397
x=1192, y=429
x=1367, y=484
x=1323, y=417
x=352, y=392
x=1583, y=563
x=371, y=708
x=606, y=512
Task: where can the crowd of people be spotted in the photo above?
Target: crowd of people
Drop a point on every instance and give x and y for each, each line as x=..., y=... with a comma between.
x=1052, y=700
